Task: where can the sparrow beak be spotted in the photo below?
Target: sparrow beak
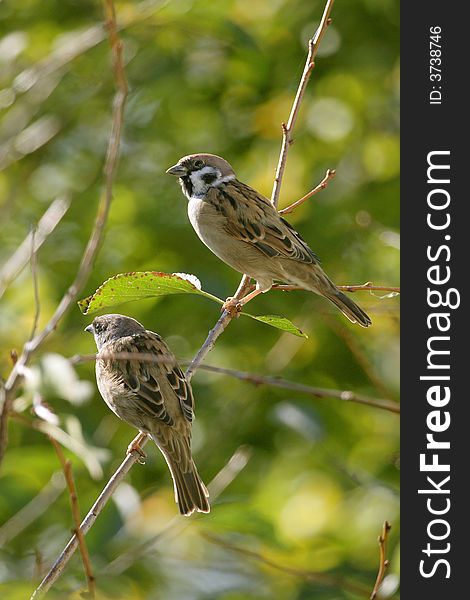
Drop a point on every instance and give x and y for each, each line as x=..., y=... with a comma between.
x=177, y=170
x=89, y=329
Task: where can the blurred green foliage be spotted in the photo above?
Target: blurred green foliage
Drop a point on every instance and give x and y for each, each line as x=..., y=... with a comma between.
x=206, y=77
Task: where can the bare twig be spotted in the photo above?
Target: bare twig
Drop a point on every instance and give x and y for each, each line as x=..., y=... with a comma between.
x=48, y=222
x=287, y=128
x=120, y=97
x=329, y=175
x=67, y=469
x=310, y=576
x=368, y=287
x=344, y=288
x=94, y=241
x=214, y=333
x=209, y=343
x=253, y=378
x=315, y=392
x=34, y=275
x=227, y=474
x=383, y=562
x=89, y=520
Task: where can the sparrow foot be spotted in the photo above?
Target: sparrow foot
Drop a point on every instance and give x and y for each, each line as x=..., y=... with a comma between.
x=233, y=306
x=135, y=447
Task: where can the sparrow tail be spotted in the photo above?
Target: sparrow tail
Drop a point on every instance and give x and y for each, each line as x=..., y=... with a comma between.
x=190, y=492
x=349, y=308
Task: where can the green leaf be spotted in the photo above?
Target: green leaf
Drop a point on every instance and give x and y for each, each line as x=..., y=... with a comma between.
x=278, y=322
x=127, y=287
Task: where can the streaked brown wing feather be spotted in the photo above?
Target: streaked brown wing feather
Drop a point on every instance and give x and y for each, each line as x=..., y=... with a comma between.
x=182, y=389
x=252, y=218
x=142, y=377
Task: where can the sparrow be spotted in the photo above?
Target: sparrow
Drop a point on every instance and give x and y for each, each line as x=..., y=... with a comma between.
x=243, y=228
x=151, y=395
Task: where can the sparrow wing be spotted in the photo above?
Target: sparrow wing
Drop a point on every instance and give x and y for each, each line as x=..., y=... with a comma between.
x=144, y=377
x=178, y=382
x=252, y=218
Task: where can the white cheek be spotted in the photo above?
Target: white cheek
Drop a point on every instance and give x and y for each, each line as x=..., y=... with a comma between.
x=225, y=179
x=199, y=186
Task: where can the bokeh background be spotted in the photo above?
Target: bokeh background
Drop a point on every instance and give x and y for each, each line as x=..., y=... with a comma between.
x=320, y=476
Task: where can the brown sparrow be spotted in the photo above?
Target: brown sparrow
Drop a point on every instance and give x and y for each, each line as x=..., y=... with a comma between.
x=243, y=229
x=152, y=396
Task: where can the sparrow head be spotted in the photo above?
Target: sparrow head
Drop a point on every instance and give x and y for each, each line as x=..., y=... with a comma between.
x=108, y=328
x=199, y=172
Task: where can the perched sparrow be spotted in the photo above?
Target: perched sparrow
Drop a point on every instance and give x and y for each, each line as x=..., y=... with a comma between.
x=244, y=230
x=152, y=396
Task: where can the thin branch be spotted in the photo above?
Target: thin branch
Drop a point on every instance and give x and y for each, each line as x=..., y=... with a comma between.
x=383, y=562
x=315, y=392
x=106, y=355
x=94, y=241
x=209, y=343
x=344, y=288
x=120, y=97
x=254, y=378
x=368, y=287
x=329, y=175
x=34, y=275
x=310, y=576
x=236, y=463
x=88, y=522
x=216, y=331
x=287, y=128
x=19, y=259
x=67, y=469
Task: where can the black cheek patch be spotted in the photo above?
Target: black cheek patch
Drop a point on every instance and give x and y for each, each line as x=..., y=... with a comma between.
x=208, y=177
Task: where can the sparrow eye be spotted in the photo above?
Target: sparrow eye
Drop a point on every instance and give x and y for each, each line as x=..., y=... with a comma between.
x=198, y=164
